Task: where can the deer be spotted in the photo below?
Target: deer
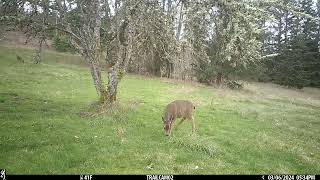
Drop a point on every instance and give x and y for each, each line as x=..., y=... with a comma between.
x=178, y=109
x=19, y=59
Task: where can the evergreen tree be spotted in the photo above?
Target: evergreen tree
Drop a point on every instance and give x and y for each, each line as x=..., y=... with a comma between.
x=297, y=63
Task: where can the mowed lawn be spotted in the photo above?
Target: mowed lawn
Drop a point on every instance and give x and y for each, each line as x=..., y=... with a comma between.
x=45, y=127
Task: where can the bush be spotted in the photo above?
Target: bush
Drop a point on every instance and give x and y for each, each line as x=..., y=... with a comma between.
x=61, y=44
x=232, y=84
x=205, y=74
x=292, y=69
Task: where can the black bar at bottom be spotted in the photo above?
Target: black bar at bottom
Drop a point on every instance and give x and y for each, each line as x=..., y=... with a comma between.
x=165, y=177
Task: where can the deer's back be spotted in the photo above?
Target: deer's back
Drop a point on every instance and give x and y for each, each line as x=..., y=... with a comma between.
x=180, y=109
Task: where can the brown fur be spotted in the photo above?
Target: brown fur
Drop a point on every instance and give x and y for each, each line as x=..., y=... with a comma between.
x=177, y=109
x=19, y=59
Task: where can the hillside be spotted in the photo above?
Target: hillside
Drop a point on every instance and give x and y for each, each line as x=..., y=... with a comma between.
x=46, y=125
x=18, y=39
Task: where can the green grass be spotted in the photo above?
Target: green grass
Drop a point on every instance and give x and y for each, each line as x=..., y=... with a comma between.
x=253, y=131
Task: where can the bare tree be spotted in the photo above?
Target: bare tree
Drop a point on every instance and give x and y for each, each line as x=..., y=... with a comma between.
x=42, y=30
x=87, y=40
x=87, y=24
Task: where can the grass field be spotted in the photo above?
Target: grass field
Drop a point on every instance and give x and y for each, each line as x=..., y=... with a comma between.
x=259, y=130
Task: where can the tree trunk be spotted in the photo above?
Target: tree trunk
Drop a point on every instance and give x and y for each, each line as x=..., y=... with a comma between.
x=163, y=5
x=169, y=70
x=106, y=95
x=279, y=34
x=180, y=22
x=219, y=78
x=157, y=64
x=169, y=7
x=97, y=81
x=318, y=13
x=286, y=24
x=112, y=86
x=95, y=61
x=37, y=56
x=116, y=73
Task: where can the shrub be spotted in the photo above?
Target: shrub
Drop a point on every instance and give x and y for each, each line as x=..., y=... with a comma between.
x=61, y=44
x=232, y=84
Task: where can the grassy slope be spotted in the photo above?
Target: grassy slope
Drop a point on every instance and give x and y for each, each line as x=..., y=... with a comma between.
x=251, y=131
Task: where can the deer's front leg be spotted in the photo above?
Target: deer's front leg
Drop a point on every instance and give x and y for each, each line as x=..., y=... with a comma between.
x=181, y=121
